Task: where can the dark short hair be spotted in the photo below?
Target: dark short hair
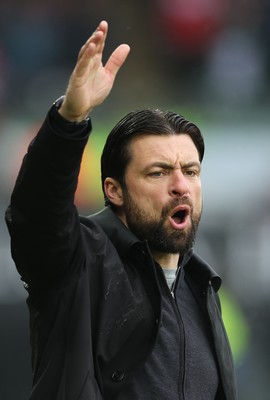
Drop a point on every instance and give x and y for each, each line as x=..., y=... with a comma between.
x=116, y=152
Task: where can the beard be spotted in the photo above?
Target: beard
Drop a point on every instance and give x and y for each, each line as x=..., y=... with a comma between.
x=159, y=237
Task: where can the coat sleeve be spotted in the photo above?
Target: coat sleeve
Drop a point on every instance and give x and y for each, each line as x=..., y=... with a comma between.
x=42, y=218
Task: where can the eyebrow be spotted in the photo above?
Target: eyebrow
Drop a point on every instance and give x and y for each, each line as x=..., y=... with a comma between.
x=168, y=166
x=192, y=164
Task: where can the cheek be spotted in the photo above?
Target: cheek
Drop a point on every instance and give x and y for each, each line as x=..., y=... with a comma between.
x=146, y=198
x=197, y=196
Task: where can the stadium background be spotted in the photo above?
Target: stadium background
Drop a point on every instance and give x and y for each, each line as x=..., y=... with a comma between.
x=207, y=59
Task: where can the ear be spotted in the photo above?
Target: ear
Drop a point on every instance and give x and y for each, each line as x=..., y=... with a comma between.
x=113, y=191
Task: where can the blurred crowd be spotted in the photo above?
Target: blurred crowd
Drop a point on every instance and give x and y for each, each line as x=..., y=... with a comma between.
x=209, y=59
x=197, y=48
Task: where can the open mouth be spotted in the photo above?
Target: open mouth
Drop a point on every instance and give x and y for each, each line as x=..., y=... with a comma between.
x=179, y=216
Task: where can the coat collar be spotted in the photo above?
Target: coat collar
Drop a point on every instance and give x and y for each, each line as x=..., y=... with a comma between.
x=200, y=271
x=123, y=240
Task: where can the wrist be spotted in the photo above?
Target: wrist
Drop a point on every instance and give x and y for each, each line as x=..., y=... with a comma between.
x=65, y=127
x=63, y=111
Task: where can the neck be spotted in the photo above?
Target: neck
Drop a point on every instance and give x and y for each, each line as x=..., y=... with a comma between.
x=165, y=260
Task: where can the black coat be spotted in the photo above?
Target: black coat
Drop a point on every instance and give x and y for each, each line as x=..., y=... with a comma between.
x=94, y=297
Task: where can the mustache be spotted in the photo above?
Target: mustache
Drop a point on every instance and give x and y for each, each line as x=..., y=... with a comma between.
x=175, y=202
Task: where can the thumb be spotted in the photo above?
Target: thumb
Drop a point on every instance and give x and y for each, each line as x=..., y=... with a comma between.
x=117, y=59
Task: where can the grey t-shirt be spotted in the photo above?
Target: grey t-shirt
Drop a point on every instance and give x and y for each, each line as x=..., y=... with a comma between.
x=182, y=365
x=169, y=276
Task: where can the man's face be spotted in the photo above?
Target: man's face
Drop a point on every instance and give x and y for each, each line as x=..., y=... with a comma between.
x=162, y=200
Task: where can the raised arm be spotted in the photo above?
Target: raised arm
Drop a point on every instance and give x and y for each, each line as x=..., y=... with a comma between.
x=91, y=82
x=42, y=219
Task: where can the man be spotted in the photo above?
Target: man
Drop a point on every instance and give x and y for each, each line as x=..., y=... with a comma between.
x=120, y=306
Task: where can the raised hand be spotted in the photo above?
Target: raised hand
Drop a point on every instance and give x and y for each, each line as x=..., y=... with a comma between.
x=91, y=82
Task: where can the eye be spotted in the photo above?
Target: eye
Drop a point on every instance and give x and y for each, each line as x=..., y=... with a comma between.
x=191, y=172
x=157, y=174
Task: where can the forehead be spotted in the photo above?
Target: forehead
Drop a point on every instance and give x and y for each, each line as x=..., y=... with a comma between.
x=169, y=148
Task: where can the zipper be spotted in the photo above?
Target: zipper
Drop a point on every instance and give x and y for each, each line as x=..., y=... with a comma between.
x=181, y=328
x=175, y=282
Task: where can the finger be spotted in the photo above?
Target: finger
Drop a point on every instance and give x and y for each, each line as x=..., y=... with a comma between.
x=98, y=37
x=87, y=60
x=103, y=27
x=100, y=43
x=100, y=34
x=117, y=59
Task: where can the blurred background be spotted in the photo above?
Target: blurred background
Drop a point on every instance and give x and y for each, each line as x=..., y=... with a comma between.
x=206, y=59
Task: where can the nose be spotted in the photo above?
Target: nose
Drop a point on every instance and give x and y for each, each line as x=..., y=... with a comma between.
x=179, y=184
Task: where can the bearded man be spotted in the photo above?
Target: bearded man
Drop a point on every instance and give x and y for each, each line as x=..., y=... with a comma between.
x=120, y=305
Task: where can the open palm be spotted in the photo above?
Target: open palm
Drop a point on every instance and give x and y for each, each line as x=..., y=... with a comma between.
x=91, y=82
